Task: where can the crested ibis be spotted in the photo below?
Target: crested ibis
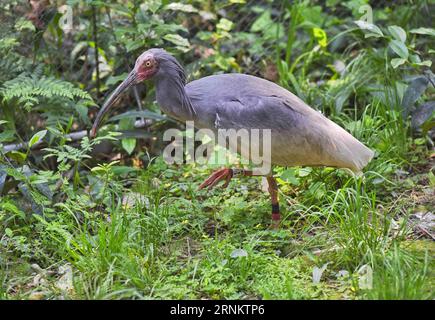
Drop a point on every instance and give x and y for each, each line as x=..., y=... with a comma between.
x=301, y=136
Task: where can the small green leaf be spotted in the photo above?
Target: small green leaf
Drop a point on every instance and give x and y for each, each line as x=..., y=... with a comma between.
x=289, y=176
x=224, y=24
x=397, y=62
x=398, y=33
x=37, y=137
x=237, y=253
x=420, y=141
x=399, y=48
x=17, y=156
x=303, y=172
x=321, y=37
x=431, y=177
x=9, y=232
x=129, y=144
x=424, y=31
x=24, y=24
x=373, y=30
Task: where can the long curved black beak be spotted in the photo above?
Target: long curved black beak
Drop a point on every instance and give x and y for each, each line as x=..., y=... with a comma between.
x=127, y=83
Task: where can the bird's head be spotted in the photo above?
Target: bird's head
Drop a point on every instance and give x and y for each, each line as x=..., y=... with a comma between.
x=153, y=63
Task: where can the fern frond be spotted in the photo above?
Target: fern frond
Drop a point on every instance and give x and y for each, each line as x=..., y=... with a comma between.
x=28, y=89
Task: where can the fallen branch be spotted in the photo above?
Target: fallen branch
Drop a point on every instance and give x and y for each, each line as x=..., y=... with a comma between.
x=73, y=136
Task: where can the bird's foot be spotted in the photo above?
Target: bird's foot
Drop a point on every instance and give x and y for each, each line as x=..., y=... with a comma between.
x=217, y=176
x=276, y=217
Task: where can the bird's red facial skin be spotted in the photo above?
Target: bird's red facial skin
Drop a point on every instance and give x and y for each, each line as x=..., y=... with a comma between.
x=145, y=68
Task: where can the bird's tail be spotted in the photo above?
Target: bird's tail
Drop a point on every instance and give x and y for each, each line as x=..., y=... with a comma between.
x=350, y=152
x=355, y=154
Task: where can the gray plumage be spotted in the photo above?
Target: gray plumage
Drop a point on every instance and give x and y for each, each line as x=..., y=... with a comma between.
x=300, y=135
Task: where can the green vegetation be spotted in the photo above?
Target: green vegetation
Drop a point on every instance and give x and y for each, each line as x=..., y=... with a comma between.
x=109, y=219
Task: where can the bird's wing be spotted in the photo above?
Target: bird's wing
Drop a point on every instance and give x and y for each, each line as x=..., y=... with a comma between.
x=300, y=134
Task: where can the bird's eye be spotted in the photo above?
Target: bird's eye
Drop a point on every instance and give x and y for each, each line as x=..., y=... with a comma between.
x=148, y=64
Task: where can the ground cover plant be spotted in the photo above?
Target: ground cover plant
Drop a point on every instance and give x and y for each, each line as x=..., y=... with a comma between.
x=108, y=219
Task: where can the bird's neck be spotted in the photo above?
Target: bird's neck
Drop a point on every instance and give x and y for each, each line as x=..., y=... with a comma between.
x=173, y=99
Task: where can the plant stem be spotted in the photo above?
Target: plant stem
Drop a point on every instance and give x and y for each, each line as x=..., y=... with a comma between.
x=97, y=63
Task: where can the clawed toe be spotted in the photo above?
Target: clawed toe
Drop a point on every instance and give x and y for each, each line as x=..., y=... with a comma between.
x=216, y=177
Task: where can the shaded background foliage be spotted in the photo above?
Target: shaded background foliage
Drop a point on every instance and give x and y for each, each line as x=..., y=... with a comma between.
x=375, y=79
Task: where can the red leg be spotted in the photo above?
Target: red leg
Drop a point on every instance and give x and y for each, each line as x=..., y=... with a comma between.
x=223, y=174
x=273, y=190
x=216, y=177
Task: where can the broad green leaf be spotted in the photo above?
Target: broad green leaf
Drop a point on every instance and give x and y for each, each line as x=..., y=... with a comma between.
x=399, y=48
x=169, y=28
x=398, y=33
x=424, y=31
x=177, y=40
x=37, y=137
x=374, y=31
x=181, y=7
x=414, y=58
x=263, y=22
x=7, y=135
x=151, y=5
x=422, y=114
x=123, y=170
x=116, y=79
x=133, y=45
x=397, y=62
x=426, y=63
x=414, y=91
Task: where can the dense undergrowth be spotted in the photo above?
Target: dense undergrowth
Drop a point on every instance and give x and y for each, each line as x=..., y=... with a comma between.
x=109, y=219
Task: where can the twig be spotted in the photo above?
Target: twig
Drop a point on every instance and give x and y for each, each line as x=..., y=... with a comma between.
x=73, y=136
x=424, y=231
